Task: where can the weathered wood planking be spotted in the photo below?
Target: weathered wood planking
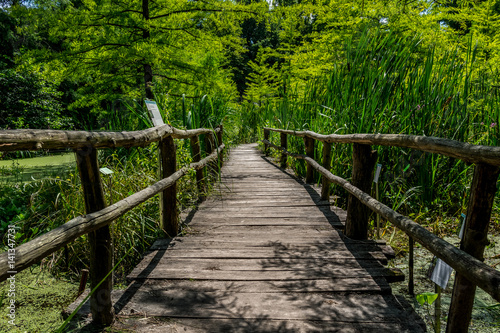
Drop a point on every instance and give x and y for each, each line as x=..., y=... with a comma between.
x=264, y=253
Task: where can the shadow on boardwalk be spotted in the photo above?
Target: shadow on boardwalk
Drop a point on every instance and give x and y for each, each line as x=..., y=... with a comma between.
x=258, y=262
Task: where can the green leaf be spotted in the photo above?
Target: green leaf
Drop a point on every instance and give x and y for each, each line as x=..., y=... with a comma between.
x=428, y=298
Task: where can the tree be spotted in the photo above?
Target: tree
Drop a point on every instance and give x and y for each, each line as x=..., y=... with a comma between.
x=29, y=101
x=122, y=48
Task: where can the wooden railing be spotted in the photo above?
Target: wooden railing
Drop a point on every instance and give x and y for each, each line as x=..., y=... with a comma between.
x=98, y=217
x=467, y=261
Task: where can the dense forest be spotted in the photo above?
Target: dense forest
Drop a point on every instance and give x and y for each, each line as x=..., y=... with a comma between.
x=71, y=64
x=419, y=67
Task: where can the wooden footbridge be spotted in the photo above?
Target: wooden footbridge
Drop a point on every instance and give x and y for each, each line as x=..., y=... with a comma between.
x=266, y=252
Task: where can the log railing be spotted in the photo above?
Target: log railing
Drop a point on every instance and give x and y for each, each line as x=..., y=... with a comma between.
x=467, y=261
x=98, y=217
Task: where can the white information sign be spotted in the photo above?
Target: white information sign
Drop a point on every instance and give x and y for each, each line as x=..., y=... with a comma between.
x=461, y=234
x=441, y=273
x=106, y=171
x=154, y=113
x=377, y=173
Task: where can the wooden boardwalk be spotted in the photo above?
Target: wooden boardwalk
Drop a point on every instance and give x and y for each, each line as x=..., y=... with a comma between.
x=263, y=254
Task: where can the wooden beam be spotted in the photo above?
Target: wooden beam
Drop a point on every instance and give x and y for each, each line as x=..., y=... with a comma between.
x=200, y=183
x=463, y=151
x=411, y=264
x=364, y=159
x=169, y=223
x=483, y=189
x=35, y=250
x=284, y=145
x=309, y=143
x=29, y=139
x=101, y=246
x=327, y=160
x=219, y=142
x=209, y=148
x=266, y=137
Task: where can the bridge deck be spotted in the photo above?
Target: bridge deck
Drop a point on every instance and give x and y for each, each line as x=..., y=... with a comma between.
x=264, y=254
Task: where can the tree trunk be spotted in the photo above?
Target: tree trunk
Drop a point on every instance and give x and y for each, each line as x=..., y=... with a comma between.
x=148, y=71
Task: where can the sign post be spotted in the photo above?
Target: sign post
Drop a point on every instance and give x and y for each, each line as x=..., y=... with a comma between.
x=375, y=180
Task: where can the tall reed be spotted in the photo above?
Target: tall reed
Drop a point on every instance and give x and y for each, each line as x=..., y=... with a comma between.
x=391, y=84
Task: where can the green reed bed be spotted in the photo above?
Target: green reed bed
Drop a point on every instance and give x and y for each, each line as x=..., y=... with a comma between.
x=391, y=84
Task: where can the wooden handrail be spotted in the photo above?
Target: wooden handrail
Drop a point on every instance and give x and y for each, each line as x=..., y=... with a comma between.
x=467, y=261
x=33, y=251
x=463, y=151
x=485, y=277
x=98, y=217
x=28, y=139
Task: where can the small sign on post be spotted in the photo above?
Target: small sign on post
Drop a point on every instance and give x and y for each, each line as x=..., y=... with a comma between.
x=439, y=272
x=461, y=233
x=375, y=180
x=154, y=113
x=106, y=171
x=377, y=173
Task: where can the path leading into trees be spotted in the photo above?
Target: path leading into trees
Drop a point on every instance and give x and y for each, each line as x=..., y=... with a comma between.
x=264, y=254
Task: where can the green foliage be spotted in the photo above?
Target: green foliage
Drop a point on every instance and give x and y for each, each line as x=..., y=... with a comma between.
x=115, y=46
x=428, y=298
x=36, y=289
x=29, y=101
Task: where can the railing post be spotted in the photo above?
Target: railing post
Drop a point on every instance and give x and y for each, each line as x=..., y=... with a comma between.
x=168, y=198
x=101, y=246
x=266, y=137
x=364, y=159
x=411, y=265
x=327, y=161
x=195, y=145
x=284, y=145
x=479, y=209
x=219, y=142
x=209, y=148
x=309, y=143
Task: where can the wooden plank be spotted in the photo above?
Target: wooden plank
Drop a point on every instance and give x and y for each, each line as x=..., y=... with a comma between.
x=290, y=306
x=258, y=230
x=328, y=241
x=142, y=324
x=265, y=253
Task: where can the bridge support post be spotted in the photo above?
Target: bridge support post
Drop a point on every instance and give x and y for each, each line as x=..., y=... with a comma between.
x=483, y=189
x=219, y=142
x=101, y=246
x=266, y=137
x=284, y=144
x=209, y=148
x=168, y=198
x=309, y=143
x=327, y=160
x=195, y=145
x=364, y=159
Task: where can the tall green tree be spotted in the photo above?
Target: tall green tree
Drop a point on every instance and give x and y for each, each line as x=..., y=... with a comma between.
x=124, y=47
